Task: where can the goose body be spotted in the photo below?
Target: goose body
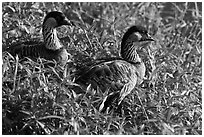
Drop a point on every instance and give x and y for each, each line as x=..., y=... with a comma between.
x=50, y=48
x=119, y=76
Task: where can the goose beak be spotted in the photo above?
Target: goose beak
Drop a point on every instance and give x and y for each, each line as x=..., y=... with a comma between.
x=145, y=40
x=148, y=38
x=66, y=21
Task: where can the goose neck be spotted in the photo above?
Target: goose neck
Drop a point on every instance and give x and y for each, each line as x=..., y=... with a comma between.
x=129, y=53
x=50, y=38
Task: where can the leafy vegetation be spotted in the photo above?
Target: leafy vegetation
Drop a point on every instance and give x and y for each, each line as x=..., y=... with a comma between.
x=42, y=100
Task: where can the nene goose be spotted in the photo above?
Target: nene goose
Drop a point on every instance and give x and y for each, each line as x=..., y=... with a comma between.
x=118, y=77
x=50, y=48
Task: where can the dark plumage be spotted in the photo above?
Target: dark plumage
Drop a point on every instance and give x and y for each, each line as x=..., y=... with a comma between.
x=119, y=76
x=50, y=48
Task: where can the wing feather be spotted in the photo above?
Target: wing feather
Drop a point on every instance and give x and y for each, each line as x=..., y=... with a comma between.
x=118, y=77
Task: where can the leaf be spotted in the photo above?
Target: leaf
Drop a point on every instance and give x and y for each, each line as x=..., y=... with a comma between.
x=75, y=124
x=9, y=9
x=167, y=130
x=51, y=117
x=23, y=28
x=41, y=124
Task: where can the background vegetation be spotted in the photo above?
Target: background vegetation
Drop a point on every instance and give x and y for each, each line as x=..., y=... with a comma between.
x=41, y=100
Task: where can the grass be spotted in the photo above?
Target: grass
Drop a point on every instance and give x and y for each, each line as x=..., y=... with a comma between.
x=42, y=100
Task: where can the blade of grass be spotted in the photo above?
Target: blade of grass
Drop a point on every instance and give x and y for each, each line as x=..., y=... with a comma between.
x=15, y=74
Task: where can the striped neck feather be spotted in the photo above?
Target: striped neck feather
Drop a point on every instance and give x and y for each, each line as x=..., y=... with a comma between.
x=129, y=53
x=50, y=38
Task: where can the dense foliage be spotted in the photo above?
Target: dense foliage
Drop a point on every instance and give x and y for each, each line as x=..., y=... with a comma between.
x=42, y=100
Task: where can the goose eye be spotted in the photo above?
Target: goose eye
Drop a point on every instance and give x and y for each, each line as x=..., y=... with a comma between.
x=138, y=36
x=58, y=19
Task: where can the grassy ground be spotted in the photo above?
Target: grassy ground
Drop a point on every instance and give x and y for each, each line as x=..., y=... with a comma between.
x=41, y=100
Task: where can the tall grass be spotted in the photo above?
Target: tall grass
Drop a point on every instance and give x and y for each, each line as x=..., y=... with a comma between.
x=41, y=100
